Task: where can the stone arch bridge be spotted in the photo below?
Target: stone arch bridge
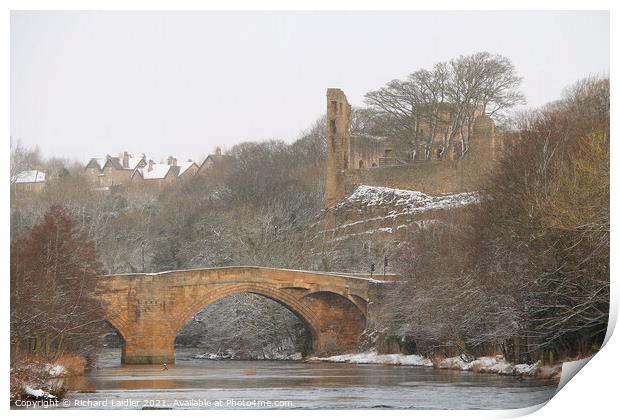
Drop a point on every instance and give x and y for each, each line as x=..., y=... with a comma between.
x=149, y=309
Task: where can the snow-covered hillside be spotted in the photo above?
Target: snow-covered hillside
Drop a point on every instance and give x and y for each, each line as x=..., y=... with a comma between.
x=375, y=220
x=411, y=202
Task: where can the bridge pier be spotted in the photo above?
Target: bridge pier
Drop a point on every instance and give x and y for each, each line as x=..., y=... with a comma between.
x=149, y=344
x=145, y=356
x=145, y=350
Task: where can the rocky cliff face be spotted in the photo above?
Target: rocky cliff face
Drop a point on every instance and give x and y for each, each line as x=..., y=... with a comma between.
x=373, y=222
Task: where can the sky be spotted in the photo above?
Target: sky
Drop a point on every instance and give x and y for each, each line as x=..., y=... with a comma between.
x=87, y=84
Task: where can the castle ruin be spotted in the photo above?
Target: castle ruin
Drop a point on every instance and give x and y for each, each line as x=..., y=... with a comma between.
x=362, y=160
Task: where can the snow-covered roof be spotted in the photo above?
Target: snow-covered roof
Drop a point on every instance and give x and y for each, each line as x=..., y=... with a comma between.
x=28, y=177
x=133, y=162
x=158, y=171
x=184, y=166
x=115, y=161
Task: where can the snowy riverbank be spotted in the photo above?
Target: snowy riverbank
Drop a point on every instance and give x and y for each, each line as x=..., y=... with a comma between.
x=37, y=381
x=495, y=364
x=35, y=377
x=231, y=355
x=372, y=357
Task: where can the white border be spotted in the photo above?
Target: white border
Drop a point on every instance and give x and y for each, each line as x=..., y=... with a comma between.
x=592, y=394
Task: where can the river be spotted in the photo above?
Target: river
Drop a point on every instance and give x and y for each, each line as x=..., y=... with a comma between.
x=194, y=383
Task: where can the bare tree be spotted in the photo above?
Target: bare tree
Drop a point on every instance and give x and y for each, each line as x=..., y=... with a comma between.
x=443, y=102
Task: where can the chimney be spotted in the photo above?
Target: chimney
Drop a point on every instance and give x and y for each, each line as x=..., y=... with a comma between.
x=125, y=160
x=218, y=151
x=172, y=161
x=151, y=163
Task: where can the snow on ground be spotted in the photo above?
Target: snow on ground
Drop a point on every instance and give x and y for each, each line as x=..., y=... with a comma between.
x=393, y=203
x=412, y=201
x=483, y=364
x=489, y=365
x=229, y=354
x=37, y=393
x=372, y=357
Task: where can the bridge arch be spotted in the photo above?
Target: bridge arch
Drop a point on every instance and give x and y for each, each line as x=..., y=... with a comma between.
x=119, y=325
x=285, y=299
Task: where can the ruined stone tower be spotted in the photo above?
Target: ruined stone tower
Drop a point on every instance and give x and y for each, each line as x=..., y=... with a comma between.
x=338, y=145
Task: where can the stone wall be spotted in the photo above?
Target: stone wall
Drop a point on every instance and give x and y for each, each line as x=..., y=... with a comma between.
x=431, y=177
x=366, y=151
x=436, y=176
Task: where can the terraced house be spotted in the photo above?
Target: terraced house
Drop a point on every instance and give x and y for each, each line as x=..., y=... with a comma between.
x=111, y=171
x=161, y=174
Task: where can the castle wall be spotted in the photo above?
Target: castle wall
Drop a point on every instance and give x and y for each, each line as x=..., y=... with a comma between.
x=366, y=151
x=430, y=177
x=437, y=176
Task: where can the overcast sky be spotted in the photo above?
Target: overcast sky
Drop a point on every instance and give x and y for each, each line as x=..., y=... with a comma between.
x=84, y=84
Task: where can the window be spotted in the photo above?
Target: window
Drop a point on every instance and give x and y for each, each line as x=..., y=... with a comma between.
x=332, y=125
x=335, y=107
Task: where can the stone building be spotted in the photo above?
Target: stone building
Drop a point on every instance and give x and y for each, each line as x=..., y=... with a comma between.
x=25, y=182
x=354, y=160
x=211, y=160
x=187, y=170
x=111, y=171
x=162, y=174
x=368, y=151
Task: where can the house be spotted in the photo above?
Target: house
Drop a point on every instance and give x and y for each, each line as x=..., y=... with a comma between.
x=28, y=181
x=113, y=171
x=211, y=160
x=108, y=172
x=161, y=174
x=187, y=170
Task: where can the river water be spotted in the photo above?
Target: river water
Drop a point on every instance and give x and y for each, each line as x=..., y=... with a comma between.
x=205, y=384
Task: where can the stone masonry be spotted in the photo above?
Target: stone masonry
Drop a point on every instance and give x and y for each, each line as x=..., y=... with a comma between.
x=338, y=145
x=148, y=310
